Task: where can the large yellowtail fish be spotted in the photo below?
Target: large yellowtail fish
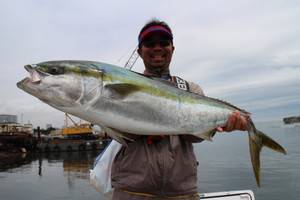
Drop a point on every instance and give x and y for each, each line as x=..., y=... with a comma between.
x=122, y=102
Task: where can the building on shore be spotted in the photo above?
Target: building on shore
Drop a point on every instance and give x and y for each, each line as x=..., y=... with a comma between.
x=8, y=118
x=9, y=125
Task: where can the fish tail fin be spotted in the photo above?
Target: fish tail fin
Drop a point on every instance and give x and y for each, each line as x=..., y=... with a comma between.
x=270, y=143
x=257, y=140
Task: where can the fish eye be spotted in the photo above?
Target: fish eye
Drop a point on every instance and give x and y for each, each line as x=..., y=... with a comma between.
x=56, y=70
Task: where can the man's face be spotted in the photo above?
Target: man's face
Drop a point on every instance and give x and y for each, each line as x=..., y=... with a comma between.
x=156, y=52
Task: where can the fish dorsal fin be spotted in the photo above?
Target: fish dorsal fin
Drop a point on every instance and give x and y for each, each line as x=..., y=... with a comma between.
x=121, y=90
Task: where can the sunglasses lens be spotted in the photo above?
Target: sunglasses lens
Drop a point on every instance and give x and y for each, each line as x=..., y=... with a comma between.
x=164, y=43
x=149, y=44
x=152, y=43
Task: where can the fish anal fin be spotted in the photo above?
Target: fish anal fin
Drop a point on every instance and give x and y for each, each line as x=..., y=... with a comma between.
x=119, y=136
x=207, y=135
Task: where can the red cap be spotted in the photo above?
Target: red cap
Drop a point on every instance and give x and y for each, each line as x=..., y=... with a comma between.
x=154, y=29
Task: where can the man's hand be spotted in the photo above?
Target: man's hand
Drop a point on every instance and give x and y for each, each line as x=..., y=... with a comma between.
x=235, y=122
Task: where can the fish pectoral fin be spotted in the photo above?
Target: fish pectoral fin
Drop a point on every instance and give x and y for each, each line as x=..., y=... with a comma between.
x=121, y=90
x=117, y=135
x=207, y=135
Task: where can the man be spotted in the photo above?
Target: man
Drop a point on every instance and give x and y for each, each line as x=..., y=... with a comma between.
x=160, y=167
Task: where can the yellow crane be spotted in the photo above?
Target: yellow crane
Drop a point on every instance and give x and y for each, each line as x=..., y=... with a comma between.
x=76, y=129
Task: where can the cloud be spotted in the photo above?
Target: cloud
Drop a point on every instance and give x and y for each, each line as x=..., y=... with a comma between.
x=246, y=52
x=275, y=78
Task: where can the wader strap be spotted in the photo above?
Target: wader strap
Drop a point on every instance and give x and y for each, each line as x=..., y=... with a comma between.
x=181, y=84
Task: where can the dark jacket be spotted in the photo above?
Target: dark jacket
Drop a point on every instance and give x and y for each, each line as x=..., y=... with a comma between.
x=166, y=167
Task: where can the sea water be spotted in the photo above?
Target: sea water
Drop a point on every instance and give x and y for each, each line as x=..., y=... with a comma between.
x=224, y=165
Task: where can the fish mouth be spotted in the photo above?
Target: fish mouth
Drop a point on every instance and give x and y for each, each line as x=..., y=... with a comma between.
x=23, y=82
x=35, y=76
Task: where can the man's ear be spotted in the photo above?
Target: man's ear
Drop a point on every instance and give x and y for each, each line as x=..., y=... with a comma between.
x=139, y=51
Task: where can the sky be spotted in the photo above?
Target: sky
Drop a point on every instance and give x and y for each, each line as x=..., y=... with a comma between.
x=246, y=52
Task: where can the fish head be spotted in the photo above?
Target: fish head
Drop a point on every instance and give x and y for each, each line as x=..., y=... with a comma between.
x=62, y=84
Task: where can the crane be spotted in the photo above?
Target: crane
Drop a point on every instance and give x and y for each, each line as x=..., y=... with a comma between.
x=132, y=59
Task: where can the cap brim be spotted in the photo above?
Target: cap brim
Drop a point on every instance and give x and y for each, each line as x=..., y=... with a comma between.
x=158, y=32
x=155, y=30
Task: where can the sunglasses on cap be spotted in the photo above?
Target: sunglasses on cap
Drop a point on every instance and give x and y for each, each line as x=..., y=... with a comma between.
x=152, y=43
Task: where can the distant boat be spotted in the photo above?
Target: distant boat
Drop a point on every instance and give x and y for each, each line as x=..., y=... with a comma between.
x=15, y=137
x=291, y=120
x=78, y=137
